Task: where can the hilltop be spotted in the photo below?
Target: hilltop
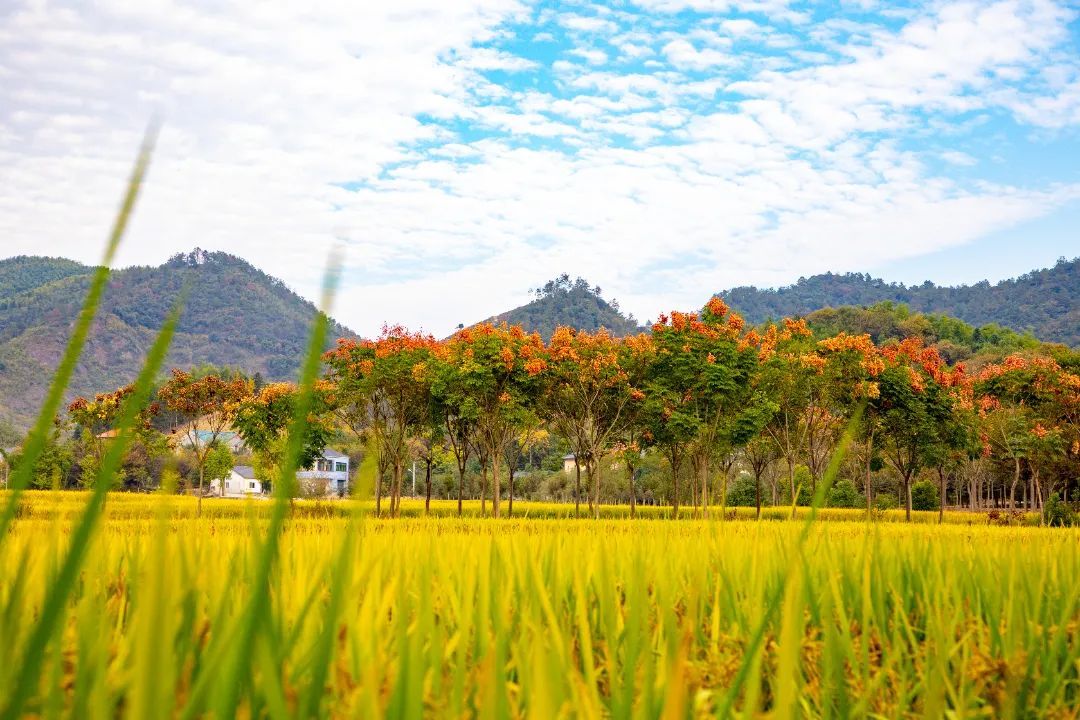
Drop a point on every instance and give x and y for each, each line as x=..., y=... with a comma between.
x=1045, y=303
x=573, y=303
x=235, y=316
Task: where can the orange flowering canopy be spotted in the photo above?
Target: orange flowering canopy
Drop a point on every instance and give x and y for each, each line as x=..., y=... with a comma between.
x=191, y=397
x=700, y=376
x=1045, y=394
x=101, y=413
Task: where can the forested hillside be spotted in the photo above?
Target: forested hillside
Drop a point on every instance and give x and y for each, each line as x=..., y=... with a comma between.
x=1045, y=302
x=235, y=315
x=573, y=303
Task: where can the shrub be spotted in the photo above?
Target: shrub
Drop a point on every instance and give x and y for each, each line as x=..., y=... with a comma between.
x=924, y=496
x=803, y=483
x=1058, y=513
x=886, y=501
x=843, y=495
x=743, y=493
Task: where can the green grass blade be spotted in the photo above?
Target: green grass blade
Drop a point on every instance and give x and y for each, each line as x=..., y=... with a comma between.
x=62, y=585
x=35, y=441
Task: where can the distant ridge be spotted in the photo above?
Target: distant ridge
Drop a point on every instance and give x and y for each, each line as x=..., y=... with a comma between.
x=1045, y=303
x=235, y=315
x=570, y=303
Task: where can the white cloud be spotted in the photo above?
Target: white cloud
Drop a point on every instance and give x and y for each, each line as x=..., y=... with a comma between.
x=288, y=131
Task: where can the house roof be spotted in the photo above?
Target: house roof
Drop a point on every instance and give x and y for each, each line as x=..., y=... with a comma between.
x=568, y=456
x=331, y=454
x=245, y=471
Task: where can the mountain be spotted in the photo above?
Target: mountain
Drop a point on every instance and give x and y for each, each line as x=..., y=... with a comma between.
x=235, y=315
x=1045, y=303
x=571, y=303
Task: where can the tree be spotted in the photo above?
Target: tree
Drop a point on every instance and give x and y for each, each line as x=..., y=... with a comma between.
x=914, y=407
x=496, y=371
x=588, y=394
x=95, y=419
x=700, y=383
x=391, y=372
x=203, y=409
x=219, y=463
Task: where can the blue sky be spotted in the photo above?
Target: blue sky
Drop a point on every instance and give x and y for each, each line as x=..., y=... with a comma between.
x=462, y=152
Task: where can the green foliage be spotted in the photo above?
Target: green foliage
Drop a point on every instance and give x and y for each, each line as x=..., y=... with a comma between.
x=886, y=501
x=1058, y=513
x=562, y=302
x=924, y=496
x=1044, y=302
x=844, y=495
x=743, y=492
x=219, y=462
x=803, y=485
x=235, y=316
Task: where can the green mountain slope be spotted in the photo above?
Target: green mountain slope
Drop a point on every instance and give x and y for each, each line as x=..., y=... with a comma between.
x=235, y=316
x=1045, y=303
x=571, y=303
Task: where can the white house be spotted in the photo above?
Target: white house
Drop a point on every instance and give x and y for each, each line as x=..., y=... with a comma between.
x=240, y=483
x=333, y=468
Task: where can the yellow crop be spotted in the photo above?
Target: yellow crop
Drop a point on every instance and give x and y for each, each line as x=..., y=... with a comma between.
x=543, y=618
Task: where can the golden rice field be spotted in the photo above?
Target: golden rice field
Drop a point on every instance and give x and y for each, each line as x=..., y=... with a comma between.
x=540, y=618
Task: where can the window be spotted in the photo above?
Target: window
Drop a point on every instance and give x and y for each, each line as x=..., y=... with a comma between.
x=251, y=485
x=342, y=467
x=226, y=484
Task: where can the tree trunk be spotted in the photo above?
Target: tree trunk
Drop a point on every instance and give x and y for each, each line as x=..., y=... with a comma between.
x=675, y=484
x=941, y=482
x=1039, y=497
x=495, y=482
x=907, y=492
x=510, y=505
x=705, y=491
x=633, y=490
x=198, y=509
x=757, y=493
x=483, y=487
x=395, y=490
x=596, y=487
x=1016, y=480
x=427, y=480
x=460, y=487
x=378, y=493
x=577, y=487
x=791, y=484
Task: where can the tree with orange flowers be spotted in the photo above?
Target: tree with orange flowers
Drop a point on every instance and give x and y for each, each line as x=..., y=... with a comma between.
x=496, y=373
x=203, y=407
x=914, y=408
x=587, y=395
x=391, y=372
x=1030, y=409
x=96, y=419
x=700, y=384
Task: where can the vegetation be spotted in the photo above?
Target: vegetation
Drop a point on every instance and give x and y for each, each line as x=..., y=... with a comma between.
x=234, y=315
x=545, y=618
x=575, y=304
x=1045, y=303
x=146, y=606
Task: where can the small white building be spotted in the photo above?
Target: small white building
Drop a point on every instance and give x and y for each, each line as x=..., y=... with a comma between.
x=333, y=469
x=240, y=483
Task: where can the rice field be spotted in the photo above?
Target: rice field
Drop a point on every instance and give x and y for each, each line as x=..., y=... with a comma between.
x=537, y=616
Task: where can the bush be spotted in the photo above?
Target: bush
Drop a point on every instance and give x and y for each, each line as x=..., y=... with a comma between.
x=843, y=495
x=1058, y=513
x=924, y=496
x=803, y=482
x=887, y=501
x=743, y=493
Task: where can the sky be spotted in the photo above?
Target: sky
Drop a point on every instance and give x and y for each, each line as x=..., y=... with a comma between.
x=462, y=152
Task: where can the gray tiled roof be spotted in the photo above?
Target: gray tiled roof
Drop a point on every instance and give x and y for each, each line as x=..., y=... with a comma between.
x=245, y=471
x=332, y=454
